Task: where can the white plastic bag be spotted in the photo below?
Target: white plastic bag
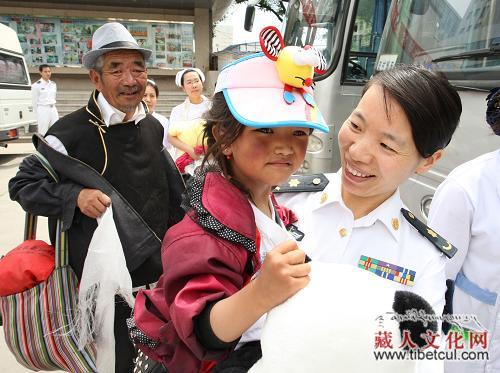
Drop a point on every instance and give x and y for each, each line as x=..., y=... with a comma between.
x=104, y=274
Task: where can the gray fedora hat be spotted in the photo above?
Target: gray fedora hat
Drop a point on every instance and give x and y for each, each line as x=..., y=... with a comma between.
x=109, y=37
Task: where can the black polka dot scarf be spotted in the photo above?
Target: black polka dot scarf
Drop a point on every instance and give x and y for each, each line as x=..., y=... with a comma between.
x=193, y=205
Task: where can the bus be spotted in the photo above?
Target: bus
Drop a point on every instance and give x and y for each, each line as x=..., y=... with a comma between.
x=16, y=107
x=460, y=38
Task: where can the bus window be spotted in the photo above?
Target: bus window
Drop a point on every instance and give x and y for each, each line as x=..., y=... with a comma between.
x=318, y=23
x=366, y=34
x=12, y=70
x=456, y=37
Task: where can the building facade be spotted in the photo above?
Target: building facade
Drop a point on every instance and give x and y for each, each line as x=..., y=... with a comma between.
x=58, y=33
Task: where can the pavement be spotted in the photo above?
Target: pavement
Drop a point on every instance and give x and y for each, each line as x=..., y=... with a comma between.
x=12, y=226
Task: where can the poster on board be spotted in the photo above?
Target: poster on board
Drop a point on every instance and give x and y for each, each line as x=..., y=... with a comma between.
x=64, y=41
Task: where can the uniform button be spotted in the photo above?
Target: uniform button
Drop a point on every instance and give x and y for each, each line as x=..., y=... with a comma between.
x=343, y=232
x=395, y=224
x=317, y=181
x=324, y=197
x=431, y=233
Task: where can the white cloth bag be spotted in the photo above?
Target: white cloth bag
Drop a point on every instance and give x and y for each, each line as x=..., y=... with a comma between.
x=105, y=274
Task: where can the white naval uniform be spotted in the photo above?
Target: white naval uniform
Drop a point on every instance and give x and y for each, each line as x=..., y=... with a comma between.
x=44, y=102
x=333, y=235
x=465, y=210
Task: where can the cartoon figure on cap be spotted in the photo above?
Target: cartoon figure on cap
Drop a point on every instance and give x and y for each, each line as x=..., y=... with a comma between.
x=296, y=66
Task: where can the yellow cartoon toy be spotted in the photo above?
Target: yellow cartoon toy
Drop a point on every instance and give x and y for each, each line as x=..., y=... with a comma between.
x=296, y=66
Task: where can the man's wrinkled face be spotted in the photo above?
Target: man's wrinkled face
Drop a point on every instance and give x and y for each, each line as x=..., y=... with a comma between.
x=122, y=80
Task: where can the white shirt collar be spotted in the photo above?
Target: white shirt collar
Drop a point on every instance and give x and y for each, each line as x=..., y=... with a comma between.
x=332, y=192
x=388, y=212
x=111, y=115
x=271, y=232
x=203, y=99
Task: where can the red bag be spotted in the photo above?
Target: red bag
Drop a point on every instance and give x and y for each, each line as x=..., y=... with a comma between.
x=185, y=159
x=26, y=266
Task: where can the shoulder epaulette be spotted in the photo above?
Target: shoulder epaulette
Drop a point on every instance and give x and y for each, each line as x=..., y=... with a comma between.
x=303, y=183
x=442, y=245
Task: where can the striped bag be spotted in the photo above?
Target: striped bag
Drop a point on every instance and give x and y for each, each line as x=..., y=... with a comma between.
x=37, y=322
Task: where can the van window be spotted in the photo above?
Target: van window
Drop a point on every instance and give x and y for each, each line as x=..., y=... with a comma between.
x=12, y=70
x=365, y=41
x=316, y=23
x=456, y=37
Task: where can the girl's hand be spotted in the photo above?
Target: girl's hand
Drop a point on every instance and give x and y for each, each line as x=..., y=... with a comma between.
x=283, y=273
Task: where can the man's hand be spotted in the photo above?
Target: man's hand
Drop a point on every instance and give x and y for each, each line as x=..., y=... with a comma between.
x=92, y=202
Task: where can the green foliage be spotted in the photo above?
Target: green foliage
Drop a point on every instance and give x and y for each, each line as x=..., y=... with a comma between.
x=274, y=6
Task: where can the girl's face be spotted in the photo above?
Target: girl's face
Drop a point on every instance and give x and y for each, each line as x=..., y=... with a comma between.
x=265, y=157
x=377, y=151
x=192, y=84
x=150, y=98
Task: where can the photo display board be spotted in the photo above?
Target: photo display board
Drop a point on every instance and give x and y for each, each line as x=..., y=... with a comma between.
x=64, y=41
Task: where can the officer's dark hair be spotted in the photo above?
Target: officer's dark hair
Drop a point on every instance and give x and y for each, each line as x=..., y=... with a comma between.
x=227, y=129
x=431, y=104
x=43, y=66
x=496, y=128
x=493, y=110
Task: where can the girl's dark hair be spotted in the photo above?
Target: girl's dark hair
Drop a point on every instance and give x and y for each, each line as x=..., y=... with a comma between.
x=220, y=121
x=431, y=104
x=189, y=71
x=152, y=83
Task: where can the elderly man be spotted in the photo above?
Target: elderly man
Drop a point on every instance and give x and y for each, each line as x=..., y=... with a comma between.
x=109, y=151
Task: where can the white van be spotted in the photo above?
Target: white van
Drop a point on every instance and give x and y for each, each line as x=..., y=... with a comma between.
x=16, y=107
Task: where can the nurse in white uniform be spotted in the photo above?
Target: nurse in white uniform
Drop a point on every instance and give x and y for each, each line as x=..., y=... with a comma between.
x=405, y=118
x=185, y=119
x=465, y=209
x=44, y=93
